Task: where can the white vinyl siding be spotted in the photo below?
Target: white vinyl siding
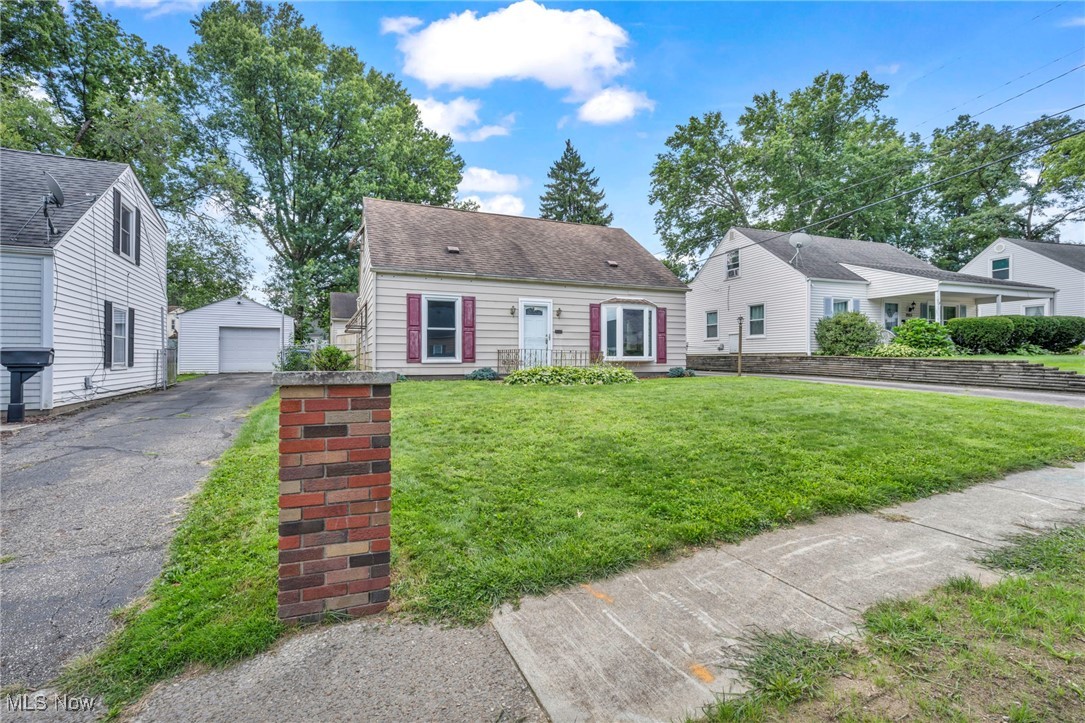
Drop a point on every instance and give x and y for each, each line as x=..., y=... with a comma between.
x=21, y=305
x=1029, y=267
x=199, y=341
x=831, y=293
x=765, y=280
x=87, y=274
x=497, y=328
x=367, y=299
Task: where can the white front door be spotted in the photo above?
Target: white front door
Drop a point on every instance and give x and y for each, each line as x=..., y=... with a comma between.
x=535, y=333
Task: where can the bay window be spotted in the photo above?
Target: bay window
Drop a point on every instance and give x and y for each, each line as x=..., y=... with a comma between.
x=629, y=332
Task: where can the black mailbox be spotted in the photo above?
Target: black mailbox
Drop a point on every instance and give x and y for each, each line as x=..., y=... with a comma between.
x=23, y=363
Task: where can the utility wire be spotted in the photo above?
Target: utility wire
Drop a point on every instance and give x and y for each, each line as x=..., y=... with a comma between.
x=894, y=197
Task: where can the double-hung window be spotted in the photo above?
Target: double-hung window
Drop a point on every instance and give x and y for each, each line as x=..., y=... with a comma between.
x=757, y=320
x=127, y=230
x=840, y=306
x=629, y=332
x=732, y=264
x=120, y=337
x=1000, y=269
x=441, y=328
x=712, y=325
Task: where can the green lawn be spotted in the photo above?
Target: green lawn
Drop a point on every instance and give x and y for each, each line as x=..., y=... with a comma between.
x=1069, y=362
x=190, y=375
x=1014, y=651
x=500, y=491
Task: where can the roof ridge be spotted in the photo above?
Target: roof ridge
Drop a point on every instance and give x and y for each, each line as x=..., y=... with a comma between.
x=494, y=213
x=66, y=158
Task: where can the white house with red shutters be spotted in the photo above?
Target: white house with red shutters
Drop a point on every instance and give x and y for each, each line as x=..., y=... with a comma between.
x=443, y=292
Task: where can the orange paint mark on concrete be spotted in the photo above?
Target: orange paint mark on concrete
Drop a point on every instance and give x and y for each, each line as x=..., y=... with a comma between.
x=702, y=673
x=599, y=595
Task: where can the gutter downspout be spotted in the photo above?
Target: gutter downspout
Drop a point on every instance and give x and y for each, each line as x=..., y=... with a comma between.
x=809, y=330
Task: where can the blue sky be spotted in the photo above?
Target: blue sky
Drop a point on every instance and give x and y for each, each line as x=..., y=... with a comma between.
x=512, y=81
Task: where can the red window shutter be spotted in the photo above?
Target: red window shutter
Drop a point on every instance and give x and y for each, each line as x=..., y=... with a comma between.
x=414, y=328
x=595, y=342
x=468, y=312
x=661, y=335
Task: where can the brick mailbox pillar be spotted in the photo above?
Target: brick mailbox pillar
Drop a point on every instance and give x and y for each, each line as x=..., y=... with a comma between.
x=334, y=493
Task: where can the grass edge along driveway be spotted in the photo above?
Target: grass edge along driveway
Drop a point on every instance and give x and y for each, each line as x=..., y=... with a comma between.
x=501, y=491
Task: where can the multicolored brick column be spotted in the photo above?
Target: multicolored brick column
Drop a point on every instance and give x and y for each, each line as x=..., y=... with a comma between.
x=335, y=486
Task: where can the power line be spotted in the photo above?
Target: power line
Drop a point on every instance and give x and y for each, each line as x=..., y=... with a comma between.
x=1025, y=92
x=894, y=197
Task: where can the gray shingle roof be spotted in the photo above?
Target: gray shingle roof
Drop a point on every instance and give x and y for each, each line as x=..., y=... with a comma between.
x=1072, y=255
x=343, y=305
x=22, y=186
x=822, y=258
x=412, y=237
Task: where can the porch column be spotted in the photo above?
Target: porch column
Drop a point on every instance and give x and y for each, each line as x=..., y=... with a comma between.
x=938, y=303
x=1053, y=312
x=998, y=305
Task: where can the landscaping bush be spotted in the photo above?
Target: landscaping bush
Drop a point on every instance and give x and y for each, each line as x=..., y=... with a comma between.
x=676, y=372
x=295, y=360
x=1057, y=333
x=485, y=374
x=982, y=335
x=928, y=337
x=331, y=359
x=600, y=374
x=897, y=351
x=846, y=334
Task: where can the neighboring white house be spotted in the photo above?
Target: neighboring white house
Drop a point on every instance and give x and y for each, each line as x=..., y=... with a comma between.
x=343, y=307
x=232, y=335
x=93, y=288
x=443, y=292
x=782, y=292
x=1061, y=266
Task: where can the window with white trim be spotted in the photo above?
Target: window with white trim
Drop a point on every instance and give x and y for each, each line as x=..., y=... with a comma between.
x=757, y=320
x=732, y=264
x=1034, y=310
x=120, y=337
x=712, y=325
x=441, y=328
x=840, y=306
x=1000, y=268
x=128, y=230
x=629, y=332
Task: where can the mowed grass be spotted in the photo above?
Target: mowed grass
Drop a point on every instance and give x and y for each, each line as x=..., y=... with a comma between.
x=504, y=491
x=1014, y=651
x=1068, y=362
x=215, y=601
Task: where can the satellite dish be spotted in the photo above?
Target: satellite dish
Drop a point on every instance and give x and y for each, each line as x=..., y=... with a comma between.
x=800, y=239
x=54, y=190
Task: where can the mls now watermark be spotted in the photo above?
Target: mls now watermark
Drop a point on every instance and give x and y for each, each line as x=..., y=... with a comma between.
x=30, y=702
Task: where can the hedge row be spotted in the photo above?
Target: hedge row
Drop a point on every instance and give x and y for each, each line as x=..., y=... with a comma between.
x=1003, y=334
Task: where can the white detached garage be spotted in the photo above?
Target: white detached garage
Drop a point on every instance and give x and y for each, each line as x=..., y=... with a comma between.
x=232, y=335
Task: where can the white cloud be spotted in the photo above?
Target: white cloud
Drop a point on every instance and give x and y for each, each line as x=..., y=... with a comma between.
x=890, y=69
x=159, y=7
x=1074, y=22
x=484, y=180
x=613, y=105
x=505, y=203
x=400, y=25
x=456, y=117
x=574, y=49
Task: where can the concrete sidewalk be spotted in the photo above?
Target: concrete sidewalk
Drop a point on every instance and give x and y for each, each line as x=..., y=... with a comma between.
x=1075, y=401
x=659, y=644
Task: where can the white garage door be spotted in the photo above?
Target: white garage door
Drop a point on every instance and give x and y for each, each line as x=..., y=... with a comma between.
x=248, y=349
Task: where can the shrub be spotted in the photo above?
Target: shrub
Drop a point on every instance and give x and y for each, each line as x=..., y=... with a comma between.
x=846, y=334
x=295, y=360
x=675, y=372
x=485, y=374
x=928, y=337
x=599, y=374
x=982, y=335
x=901, y=351
x=331, y=359
x=1057, y=333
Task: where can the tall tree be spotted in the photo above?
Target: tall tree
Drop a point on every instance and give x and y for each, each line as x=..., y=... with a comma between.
x=206, y=262
x=825, y=149
x=306, y=130
x=78, y=84
x=573, y=193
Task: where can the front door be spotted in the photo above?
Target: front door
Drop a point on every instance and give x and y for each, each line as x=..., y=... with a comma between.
x=892, y=316
x=535, y=333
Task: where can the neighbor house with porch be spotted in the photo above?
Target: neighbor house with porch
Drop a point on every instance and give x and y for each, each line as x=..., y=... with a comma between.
x=1058, y=265
x=781, y=287
x=443, y=292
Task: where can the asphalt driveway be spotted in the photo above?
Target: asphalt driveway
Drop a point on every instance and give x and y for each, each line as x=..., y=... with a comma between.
x=90, y=502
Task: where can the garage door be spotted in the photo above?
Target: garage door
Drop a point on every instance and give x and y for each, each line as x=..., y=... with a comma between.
x=248, y=349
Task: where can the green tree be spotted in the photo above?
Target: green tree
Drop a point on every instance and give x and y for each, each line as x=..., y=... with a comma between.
x=305, y=130
x=573, y=193
x=78, y=84
x=206, y=262
x=822, y=151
